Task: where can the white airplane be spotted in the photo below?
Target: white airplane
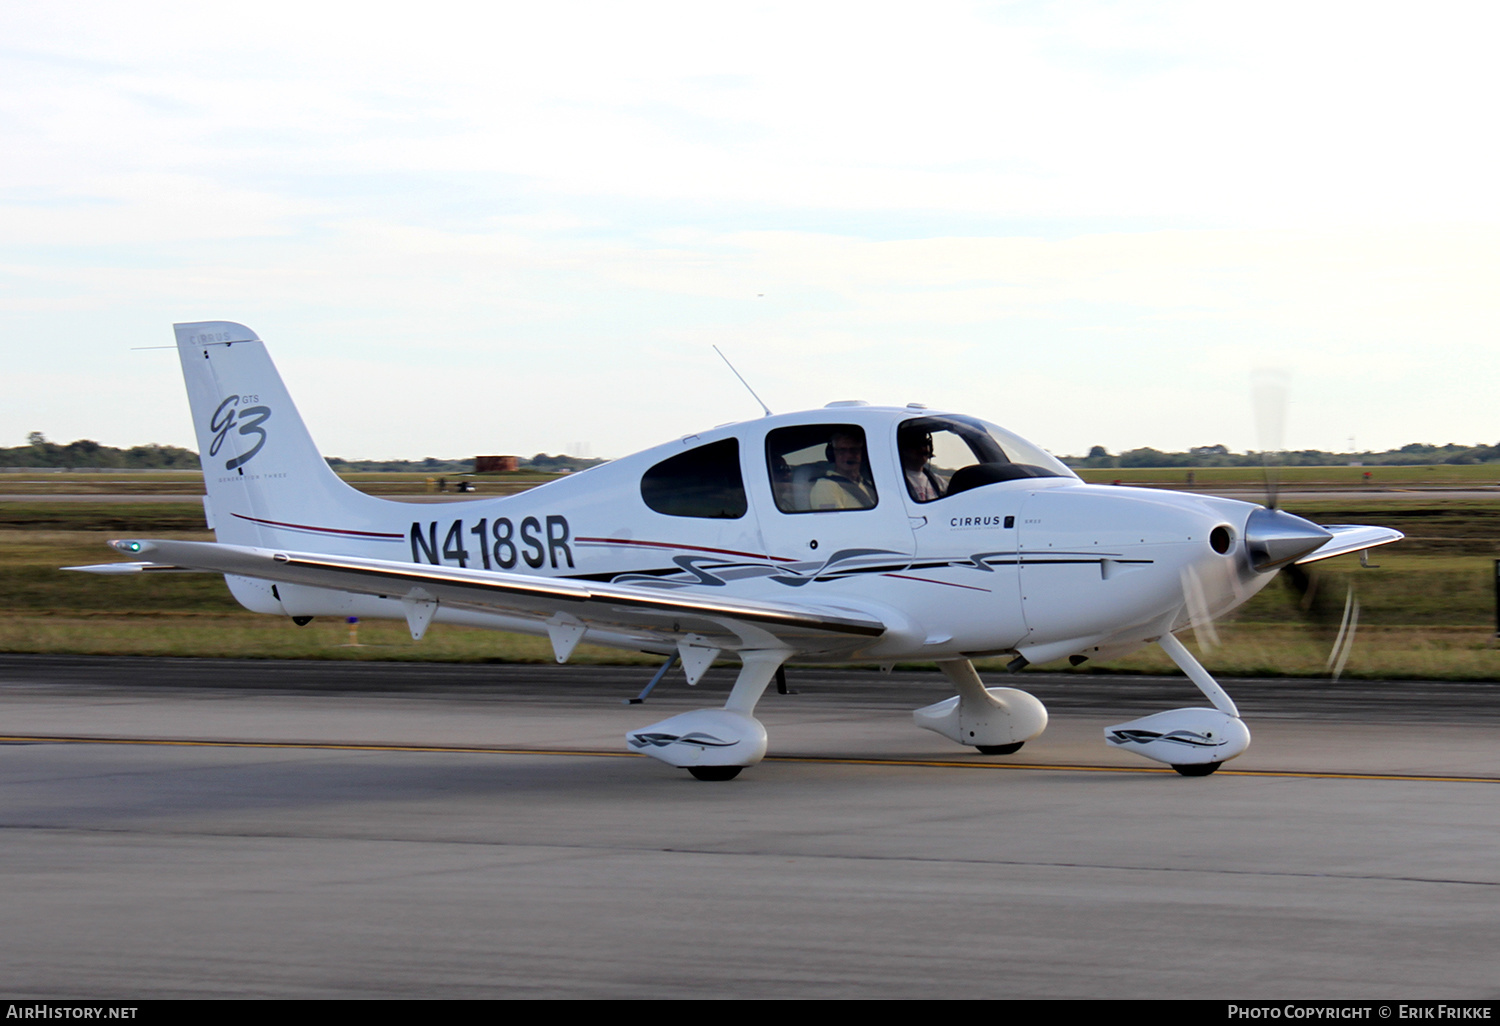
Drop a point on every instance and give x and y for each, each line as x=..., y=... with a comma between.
x=853, y=533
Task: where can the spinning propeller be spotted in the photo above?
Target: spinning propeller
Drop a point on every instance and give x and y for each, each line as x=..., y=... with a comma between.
x=1270, y=395
x=1276, y=539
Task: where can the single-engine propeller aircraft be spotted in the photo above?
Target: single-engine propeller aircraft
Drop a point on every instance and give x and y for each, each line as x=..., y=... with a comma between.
x=852, y=533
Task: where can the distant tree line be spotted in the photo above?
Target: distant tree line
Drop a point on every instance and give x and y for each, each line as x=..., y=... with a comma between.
x=86, y=453
x=1415, y=454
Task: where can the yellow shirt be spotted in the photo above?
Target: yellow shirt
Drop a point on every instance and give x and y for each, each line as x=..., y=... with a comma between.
x=838, y=492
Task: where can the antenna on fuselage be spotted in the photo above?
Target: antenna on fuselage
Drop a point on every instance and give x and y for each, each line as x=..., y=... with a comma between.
x=742, y=380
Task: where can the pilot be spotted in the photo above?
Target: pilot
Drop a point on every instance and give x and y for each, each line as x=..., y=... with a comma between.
x=916, y=453
x=846, y=486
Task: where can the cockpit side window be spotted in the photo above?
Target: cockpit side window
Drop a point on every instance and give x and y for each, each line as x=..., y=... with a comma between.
x=817, y=467
x=946, y=455
x=703, y=482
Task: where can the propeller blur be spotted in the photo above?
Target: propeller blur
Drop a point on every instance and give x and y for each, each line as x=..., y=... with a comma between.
x=852, y=533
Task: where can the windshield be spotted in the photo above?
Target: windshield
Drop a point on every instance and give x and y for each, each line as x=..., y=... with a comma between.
x=946, y=455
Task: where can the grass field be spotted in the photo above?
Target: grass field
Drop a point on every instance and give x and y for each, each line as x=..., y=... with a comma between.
x=1429, y=611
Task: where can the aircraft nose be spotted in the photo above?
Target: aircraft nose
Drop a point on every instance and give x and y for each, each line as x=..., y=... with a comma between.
x=1273, y=539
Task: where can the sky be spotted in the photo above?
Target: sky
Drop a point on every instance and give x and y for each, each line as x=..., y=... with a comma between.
x=519, y=228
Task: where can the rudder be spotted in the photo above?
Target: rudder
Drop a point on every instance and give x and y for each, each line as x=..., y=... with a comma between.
x=267, y=482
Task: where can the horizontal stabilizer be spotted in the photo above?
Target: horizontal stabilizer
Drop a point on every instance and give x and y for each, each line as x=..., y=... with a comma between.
x=136, y=568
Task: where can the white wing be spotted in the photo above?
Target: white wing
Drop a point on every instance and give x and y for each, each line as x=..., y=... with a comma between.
x=1351, y=538
x=650, y=617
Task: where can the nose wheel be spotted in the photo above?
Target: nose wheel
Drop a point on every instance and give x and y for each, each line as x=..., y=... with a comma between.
x=1010, y=749
x=1194, y=742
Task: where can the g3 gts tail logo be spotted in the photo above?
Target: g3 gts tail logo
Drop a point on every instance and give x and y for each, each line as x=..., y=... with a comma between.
x=248, y=418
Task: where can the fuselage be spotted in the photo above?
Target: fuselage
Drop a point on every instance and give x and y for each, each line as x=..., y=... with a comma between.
x=967, y=539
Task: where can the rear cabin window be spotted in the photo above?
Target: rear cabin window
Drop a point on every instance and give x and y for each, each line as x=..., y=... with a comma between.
x=818, y=467
x=702, y=482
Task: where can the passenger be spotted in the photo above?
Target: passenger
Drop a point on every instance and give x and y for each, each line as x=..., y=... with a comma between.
x=916, y=455
x=846, y=486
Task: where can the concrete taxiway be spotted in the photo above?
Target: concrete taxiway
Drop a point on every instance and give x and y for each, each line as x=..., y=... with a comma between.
x=242, y=828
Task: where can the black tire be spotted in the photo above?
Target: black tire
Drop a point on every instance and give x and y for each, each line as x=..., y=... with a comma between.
x=1010, y=749
x=1197, y=769
x=715, y=772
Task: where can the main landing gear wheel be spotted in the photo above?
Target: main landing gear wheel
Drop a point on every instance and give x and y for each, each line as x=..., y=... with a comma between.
x=1000, y=749
x=715, y=772
x=1200, y=769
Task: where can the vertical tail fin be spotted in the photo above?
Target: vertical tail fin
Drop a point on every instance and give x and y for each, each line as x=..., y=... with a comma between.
x=267, y=483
